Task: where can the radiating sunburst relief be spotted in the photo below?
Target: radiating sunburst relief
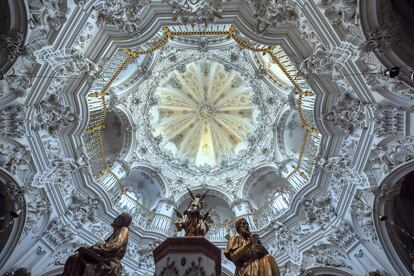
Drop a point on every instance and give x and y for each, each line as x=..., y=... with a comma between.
x=204, y=113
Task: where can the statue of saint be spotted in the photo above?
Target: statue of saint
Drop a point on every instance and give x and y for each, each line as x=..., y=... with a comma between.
x=248, y=254
x=102, y=258
x=193, y=223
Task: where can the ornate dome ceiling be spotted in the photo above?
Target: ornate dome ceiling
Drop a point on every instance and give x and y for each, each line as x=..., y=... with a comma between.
x=106, y=108
x=204, y=113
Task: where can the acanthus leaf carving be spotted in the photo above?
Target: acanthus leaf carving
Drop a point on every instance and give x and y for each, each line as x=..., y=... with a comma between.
x=348, y=113
x=52, y=115
x=66, y=62
x=319, y=210
x=343, y=236
x=387, y=157
x=12, y=121
x=269, y=13
x=125, y=15
x=15, y=159
x=83, y=209
x=14, y=43
x=47, y=15
x=363, y=215
x=196, y=12
x=389, y=120
x=322, y=254
x=58, y=233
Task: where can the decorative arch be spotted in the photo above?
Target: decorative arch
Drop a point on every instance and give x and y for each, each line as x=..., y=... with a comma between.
x=215, y=191
x=118, y=130
x=258, y=177
x=128, y=123
x=13, y=209
x=387, y=192
x=327, y=271
x=146, y=182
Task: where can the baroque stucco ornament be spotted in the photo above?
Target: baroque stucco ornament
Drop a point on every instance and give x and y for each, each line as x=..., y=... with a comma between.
x=196, y=11
x=204, y=113
x=376, y=108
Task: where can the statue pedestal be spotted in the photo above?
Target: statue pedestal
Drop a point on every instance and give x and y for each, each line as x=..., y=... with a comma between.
x=184, y=256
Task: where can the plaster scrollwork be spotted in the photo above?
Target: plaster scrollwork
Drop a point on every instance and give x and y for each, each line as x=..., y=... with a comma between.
x=60, y=256
x=37, y=212
x=47, y=15
x=387, y=157
x=17, y=81
x=389, y=121
x=269, y=13
x=164, y=160
x=14, y=43
x=341, y=13
x=83, y=209
x=196, y=12
x=319, y=210
x=286, y=243
x=318, y=61
x=58, y=174
x=347, y=113
x=15, y=158
x=85, y=36
x=319, y=255
x=58, y=233
x=144, y=253
x=336, y=165
x=125, y=15
x=363, y=215
x=66, y=62
x=329, y=60
x=378, y=40
x=57, y=158
x=343, y=236
x=52, y=115
x=12, y=121
x=384, y=84
x=324, y=255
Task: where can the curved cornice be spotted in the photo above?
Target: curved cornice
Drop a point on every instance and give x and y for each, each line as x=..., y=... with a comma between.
x=383, y=206
x=18, y=223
